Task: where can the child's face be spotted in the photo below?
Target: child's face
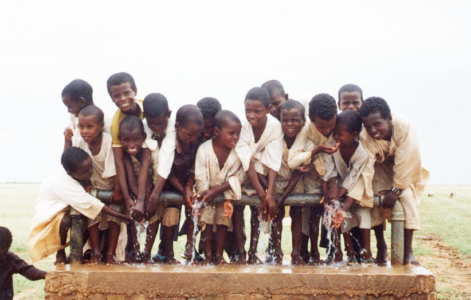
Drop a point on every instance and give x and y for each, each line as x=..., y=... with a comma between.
x=73, y=107
x=343, y=136
x=291, y=122
x=275, y=103
x=323, y=126
x=158, y=124
x=188, y=133
x=208, y=128
x=89, y=128
x=132, y=140
x=256, y=112
x=378, y=127
x=123, y=96
x=229, y=133
x=84, y=171
x=350, y=100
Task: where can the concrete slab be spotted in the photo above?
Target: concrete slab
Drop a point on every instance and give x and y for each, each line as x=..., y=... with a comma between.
x=239, y=282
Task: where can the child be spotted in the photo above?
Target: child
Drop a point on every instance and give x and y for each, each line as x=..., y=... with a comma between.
x=277, y=96
x=216, y=172
x=188, y=125
x=350, y=97
x=322, y=113
x=60, y=191
x=11, y=264
x=97, y=144
x=75, y=96
x=260, y=149
x=397, y=173
x=122, y=90
x=350, y=160
x=292, y=121
x=209, y=107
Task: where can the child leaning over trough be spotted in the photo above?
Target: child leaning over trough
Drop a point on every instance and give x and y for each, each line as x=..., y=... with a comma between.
x=350, y=160
x=397, y=173
x=260, y=149
x=217, y=171
x=97, y=144
x=277, y=96
x=209, y=107
x=59, y=192
x=11, y=264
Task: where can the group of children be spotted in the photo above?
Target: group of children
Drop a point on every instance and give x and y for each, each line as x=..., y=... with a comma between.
x=211, y=158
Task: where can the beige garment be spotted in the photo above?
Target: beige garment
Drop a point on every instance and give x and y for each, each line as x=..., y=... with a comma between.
x=398, y=163
x=58, y=193
x=104, y=169
x=166, y=152
x=214, y=215
x=298, y=156
x=267, y=151
x=285, y=174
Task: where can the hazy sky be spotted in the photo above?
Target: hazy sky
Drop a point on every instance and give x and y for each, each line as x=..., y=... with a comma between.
x=415, y=54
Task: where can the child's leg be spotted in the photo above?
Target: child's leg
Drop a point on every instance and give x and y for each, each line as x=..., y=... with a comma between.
x=382, y=256
x=338, y=255
x=113, y=242
x=254, y=236
x=190, y=246
x=316, y=213
x=296, y=233
x=220, y=241
x=168, y=241
x=238, y=221
x=208, y=244
x=151, y=234
x=347, y=236
x=408, y=253
x=95, y=243
x=65, y=225
x=276, y=231
x=366, y=243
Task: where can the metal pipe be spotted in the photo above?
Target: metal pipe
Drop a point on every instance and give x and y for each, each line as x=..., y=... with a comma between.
x=397, y=234
x=76, y=236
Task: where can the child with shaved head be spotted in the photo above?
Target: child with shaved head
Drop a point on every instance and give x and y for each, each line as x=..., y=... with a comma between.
x=277, y=96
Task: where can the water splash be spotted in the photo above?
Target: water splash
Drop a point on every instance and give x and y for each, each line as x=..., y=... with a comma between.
x=333, y=212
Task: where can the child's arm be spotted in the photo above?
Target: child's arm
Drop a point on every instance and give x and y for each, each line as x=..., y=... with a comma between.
x=188, y=191
x=155, y=195
x=210, y=194
x=293, y=181
x=270, y=202
x=253, y=177
x=109, y=211
x=139, y=209
x=131, y=177
x=28, y=271
x=121, y=176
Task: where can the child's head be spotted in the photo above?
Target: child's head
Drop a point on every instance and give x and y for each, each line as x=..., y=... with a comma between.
x=347, y=127
x=77, y=163
x=131, y=135
x=209, y=108
x=227, y=128
x=277, y=96
x=189, y=123
x=90, y=123
x=292, y=118
x=5, y=241
x=257, y=104
x=350, y=97
x=376, y=117
x=156, y=112
x=122, y=90
x=323, y=113
x=76, y=95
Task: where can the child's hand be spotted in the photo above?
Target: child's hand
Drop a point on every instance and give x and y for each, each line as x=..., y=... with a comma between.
x=306, y=168
x=338, y=219
x=138, y=211
x=326, y=149
x=389, y=199
x=208, y=196
x=271, y=206
x=116, y=196
x=88, y=188
x=188, y=196
x=151, y=208
x=68, y=134
x=129, y=204
x=228, y=209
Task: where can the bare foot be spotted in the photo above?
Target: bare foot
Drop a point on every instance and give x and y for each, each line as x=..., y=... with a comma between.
x=240, y=260
x=297, y=260
x=60, y=258
x=171, y=261
x=409, y=259
x=315, y=260
x=254, y=260
x=110, y=260
x=277, y=260
x=207, y=261
x=95, y=259
x=220, y=261
x=382, y=256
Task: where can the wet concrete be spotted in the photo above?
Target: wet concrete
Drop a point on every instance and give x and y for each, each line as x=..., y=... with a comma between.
x=239, y=282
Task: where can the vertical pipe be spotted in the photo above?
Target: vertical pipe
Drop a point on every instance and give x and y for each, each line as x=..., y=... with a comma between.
x=397, y=234
x=76, y=236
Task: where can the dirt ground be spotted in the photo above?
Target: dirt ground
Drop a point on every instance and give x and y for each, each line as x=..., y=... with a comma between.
x=451, y=270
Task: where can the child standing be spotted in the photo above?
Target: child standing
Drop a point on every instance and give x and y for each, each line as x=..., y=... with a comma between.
x=209, y=107
x=397, y=173
x=350, y=97
x=60, y=191
x=350, y=160
x=97, y=144
x=260, y=149
x=216, y=172
x=11, y=264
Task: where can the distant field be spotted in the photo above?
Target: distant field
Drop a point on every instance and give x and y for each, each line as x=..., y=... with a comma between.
x=442, y=245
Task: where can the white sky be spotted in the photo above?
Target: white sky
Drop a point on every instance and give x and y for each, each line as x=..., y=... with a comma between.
x=415, y=54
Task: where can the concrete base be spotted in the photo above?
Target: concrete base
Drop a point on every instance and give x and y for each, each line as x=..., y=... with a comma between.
x=234, y=282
